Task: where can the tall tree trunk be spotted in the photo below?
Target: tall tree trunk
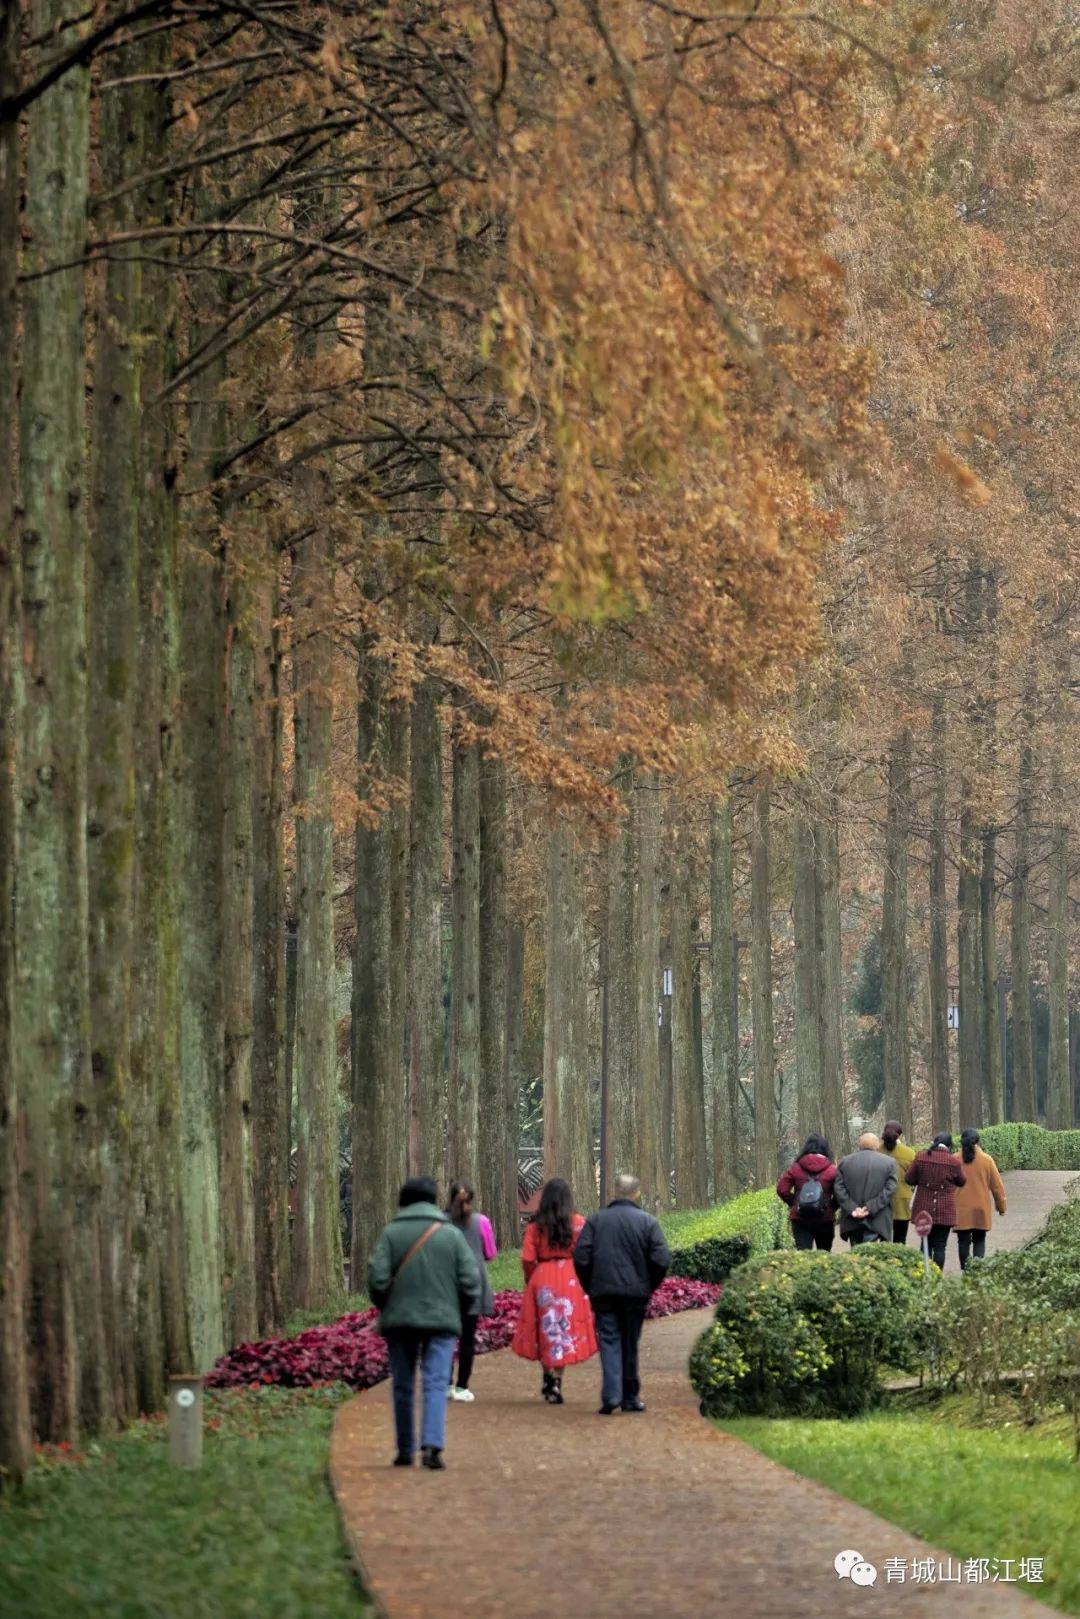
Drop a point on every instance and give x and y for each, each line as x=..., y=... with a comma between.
x=762, y=990
x=968, y=952
x=894, y=967
x=15, y=1434
x=830, y=958
x=316, y=1254
x=202, y=1005
x=269, y=1099
x=1058, y=1077
x=807, y=973
x=372, y=1039
x=163, y=1340
x=427, y=1108
x=1023, y=1093
x=498, y=1155
x=724, y=959
x=620, y=1148
x=238, y=971
x=396, y=831
x=940, y=1081
x=515, y=1028
x=463, y=1123
x=648, y=1167
x=113, y=597
x=567, y=1112
x=688, y=1100
x=52, y=989
x=994, y=1111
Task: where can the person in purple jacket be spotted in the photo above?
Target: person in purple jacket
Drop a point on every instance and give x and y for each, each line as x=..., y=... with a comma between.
x=806, y=1186
x=476, y=1229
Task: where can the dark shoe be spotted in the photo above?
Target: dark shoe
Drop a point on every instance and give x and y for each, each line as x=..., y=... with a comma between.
x=607, y=1410
x=555, y=1397
x=633, y=1405
x=433, y=1458
x=546, y=1389
x=401, y=1460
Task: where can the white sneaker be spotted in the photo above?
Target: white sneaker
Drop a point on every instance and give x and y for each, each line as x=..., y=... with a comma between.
x=462, y=1394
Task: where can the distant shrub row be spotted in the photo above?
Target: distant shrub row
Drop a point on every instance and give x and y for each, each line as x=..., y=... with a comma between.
x=708, y=1245
x=1029, y=1146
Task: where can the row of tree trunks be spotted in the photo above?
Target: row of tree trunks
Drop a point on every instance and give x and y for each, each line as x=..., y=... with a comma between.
x=15, y=1431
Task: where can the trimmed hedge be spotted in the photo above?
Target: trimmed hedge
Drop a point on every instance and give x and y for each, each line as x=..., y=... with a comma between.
x=712, y=1259
x=1029, y=1146
x=809, y=1333
x=759, y=1217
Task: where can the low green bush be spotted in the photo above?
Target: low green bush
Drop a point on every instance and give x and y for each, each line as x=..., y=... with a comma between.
x=809, y=1333
x=712, y=1259
x=760, y=1217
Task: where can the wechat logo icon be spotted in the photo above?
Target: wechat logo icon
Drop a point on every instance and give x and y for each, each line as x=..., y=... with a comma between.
x=852, y=1565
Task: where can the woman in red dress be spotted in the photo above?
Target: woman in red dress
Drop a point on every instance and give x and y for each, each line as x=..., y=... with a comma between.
x=556, y=1322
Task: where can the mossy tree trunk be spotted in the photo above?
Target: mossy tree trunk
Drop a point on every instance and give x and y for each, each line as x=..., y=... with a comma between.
x=424, y=990
x=498, y=1145
x=940, y=1079
x=723, y=951
x=269, y=1094
x=1023, y=1093
x=807, y=972
x=316, y=1251
x=894, y=930
x=621, y=1148
x=830, y=958
x=762, y=988
x=15, y=1434
x=462, y=1146
x=688, y=1097
x=52, y=987
x=646, y=832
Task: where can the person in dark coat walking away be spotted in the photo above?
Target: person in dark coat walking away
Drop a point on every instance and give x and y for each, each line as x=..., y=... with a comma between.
x=476, y=1229
x=621, y=1258
x=864, y=1187
x=807, y=1187
x=423, y=1280
x=934, y=1174
x=556, y=1324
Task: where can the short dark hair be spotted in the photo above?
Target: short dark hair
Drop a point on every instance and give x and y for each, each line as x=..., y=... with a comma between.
x=418, y=1189
x=943, y=1139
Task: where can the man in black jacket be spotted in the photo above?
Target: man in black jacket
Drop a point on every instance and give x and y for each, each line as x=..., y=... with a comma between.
x=621, y=1258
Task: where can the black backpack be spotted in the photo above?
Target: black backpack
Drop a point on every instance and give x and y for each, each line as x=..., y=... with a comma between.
x=810, y=1203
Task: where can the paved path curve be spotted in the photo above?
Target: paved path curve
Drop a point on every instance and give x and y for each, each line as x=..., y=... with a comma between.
x=554, y=1511
x=1031, y=1194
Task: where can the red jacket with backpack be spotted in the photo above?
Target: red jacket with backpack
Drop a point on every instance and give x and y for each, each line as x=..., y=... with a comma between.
x=811, y=1166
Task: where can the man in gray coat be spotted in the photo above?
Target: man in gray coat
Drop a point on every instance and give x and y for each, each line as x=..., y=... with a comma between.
x=864, y=1187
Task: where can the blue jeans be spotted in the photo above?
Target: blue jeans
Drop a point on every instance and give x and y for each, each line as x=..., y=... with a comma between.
x=618, y=1332
x=435, y=1352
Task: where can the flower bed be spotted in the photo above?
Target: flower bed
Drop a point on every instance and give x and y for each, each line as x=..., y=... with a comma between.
x=350, y=1351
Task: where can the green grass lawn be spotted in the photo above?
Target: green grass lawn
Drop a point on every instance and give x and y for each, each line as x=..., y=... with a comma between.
x=975, y=1492
x=123, y=1535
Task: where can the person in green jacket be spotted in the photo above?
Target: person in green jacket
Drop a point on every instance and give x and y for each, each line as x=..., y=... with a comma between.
x=423, y=1279
x=904, y=1157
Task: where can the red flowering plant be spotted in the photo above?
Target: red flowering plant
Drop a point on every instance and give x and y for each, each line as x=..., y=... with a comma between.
x=350, y=1350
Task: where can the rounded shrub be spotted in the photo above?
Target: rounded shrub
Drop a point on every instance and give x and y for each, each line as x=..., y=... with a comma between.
x=812, y=1330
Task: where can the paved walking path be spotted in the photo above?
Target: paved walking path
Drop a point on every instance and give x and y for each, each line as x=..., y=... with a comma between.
x=555, y=1511
x=1031, y=1194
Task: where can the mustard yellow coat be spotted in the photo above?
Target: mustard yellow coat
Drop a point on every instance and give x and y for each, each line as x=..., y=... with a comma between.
x=901, y=1203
